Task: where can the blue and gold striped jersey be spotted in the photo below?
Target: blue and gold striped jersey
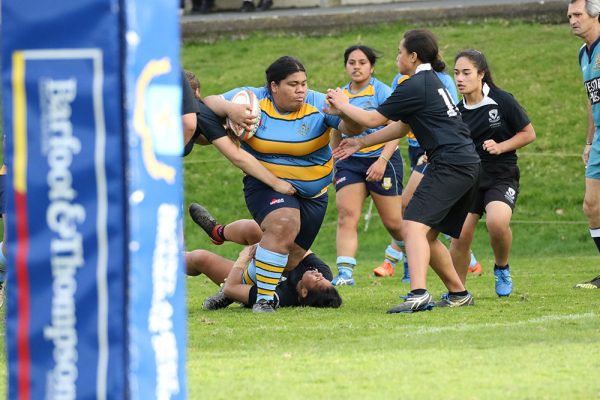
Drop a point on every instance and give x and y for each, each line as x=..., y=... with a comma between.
x=369, y=98
x=294, y=146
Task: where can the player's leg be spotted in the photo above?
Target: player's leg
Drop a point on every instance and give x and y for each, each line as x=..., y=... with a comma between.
x=216, y=268
x=591, y=209
x=460, y=249
x=349, y=201
x=498, y=215
x=390, y=211
x=242, y=231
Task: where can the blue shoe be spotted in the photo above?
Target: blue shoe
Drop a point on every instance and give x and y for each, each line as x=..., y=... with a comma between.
x=343, y=280
x=406, y=277
x=503, y=282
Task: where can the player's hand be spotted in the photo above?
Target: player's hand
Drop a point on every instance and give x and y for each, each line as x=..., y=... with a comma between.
x=247, y=254
x=337, y=98
x=346, y=148
x=492, y=147
x=284, y=187
x=376, y=170
x=586, y=154
x=241, y=114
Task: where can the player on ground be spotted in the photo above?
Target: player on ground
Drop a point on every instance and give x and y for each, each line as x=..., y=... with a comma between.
x=376, y=171
x=292, y=142
x=298, y=287
x=440, y=202
x=499, y=126
x=584, y=18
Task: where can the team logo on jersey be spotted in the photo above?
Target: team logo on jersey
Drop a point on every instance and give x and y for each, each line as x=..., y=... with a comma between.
x=494, y=116
x=510, y=195
x=369, y=105
x=597, y=63
x=303, y=130
x=387, y=183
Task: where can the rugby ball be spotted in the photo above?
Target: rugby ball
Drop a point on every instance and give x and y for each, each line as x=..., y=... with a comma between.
x=245, y=97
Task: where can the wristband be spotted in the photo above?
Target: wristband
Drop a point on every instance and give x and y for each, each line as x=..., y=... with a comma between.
x=588, y=143
x=385, y=158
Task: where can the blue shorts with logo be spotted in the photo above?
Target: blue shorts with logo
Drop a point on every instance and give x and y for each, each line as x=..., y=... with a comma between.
x=261, y=200
x=592, y=169
x=354, y=170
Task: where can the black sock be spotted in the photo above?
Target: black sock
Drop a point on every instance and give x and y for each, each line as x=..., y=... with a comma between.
x=463, y=293
x=499, y=267
x=419, y=292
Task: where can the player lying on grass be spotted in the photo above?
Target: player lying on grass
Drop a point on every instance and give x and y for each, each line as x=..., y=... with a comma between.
x=308, y=284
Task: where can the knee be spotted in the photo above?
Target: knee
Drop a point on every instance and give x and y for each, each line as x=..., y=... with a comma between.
x=347, y=217
x=590, y=208
x=194, y=262
x=284, y=230
x=498, y=229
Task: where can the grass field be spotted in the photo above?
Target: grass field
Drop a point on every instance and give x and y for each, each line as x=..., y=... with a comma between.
x=540, y=343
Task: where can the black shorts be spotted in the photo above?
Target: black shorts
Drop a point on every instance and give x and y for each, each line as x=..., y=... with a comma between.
x=261, y=200
x=354, y=170
x=499, y=182
x=442, y=199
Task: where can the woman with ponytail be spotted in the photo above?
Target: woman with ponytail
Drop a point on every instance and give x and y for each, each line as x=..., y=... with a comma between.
x=499, y=126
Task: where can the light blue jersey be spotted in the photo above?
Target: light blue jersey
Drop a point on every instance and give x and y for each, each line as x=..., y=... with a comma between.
x=294, y=146
x=589, y=61
x=369, y=98
x=448, y=83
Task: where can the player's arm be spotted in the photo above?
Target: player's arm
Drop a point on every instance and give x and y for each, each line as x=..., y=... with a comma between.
x=353, y=116
x=377, y=169
x=234, y=287
x=520, y=139
x=590, y=136
x=335, y=137
x=189, y=126
x=347, y=147
x=241, y=114
x=250, y=165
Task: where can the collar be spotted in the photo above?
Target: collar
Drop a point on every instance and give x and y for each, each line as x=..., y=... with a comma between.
x=423, y=67
x=484, y=102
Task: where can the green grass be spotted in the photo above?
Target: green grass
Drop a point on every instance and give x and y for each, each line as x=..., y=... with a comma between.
x=541, y=343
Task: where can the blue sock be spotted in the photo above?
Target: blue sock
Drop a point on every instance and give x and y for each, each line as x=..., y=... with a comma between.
x=393, y=256
x=269, y=267
x=345, y=265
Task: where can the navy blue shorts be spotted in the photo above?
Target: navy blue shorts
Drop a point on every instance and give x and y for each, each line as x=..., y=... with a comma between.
x=444, y=196
x=354, y=170
x=261, y=200
x=414, y=153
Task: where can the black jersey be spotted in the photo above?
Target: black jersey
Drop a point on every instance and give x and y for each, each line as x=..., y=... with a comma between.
x=424, y=103
x=208, y=124
x=286, y=294
x=499, y=117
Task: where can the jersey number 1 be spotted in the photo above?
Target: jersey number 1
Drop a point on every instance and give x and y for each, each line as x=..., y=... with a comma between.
x=447, y=99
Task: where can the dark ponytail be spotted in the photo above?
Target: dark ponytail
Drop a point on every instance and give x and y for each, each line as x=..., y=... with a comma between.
x=480, y=62
x=424, y=43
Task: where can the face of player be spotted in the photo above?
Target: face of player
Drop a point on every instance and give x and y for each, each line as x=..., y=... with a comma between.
x=579, y=20
x=290, y=93
x=468, y=79
x=359, y=68
x=313, y=279
x=405, y=61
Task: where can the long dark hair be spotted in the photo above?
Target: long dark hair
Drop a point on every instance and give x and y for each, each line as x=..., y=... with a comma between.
x=371, y=54
x=480, y=62
x=281, y=69
x=424, y=43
